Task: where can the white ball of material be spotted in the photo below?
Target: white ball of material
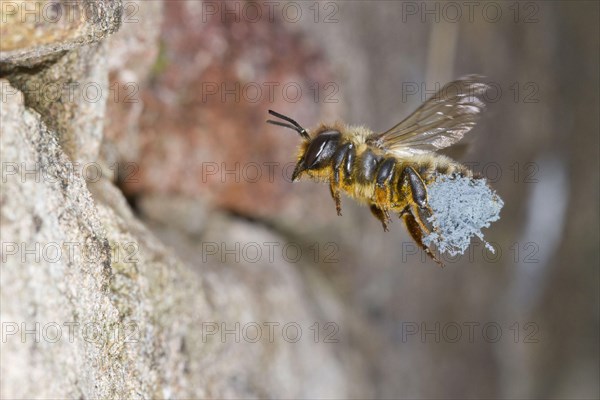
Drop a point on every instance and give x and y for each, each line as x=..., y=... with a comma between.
x=461, y=208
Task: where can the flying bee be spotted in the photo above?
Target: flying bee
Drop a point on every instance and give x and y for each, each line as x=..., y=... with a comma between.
x=390, y=171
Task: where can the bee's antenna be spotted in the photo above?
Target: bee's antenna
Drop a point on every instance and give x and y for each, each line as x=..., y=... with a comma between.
x=270, y=121
x=294, y=125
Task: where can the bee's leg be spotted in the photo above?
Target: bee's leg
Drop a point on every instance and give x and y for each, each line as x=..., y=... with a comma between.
x=349, y=164
x=413, y=188
x=411, y=183
x=381, y=215
x=385, y=173
x=415, y=211
x=335, y=193
x=404, y=211
x=336, y=165
x=414, y=228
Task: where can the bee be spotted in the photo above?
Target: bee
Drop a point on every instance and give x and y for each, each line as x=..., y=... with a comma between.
x=390, y=171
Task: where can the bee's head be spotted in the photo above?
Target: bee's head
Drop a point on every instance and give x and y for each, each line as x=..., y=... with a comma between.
x=316, y=152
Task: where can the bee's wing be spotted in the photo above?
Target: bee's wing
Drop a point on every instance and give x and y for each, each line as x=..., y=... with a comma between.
x=439, y=122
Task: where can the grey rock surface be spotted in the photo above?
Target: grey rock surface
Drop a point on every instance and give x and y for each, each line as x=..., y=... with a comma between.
x=70, y=94
x=116, y=314
x=52, y=52
x=34, y=30
x=64, y=281
x=93, y=304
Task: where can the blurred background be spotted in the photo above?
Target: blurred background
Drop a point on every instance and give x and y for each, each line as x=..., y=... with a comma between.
x=200, y=166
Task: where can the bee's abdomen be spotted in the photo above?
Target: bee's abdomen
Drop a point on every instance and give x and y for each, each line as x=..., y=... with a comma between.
x=379, y=178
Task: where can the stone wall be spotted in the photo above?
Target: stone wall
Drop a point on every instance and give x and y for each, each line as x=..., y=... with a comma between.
x=114, y=313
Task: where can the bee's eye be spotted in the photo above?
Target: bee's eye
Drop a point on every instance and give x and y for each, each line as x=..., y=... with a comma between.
x=321, y=149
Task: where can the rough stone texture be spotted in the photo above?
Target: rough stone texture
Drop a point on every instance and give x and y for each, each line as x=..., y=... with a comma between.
x=51, y=52
x=50, y=210
x=126, y=281
x=34, y=29
x=70, y=94
x=114, y=313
